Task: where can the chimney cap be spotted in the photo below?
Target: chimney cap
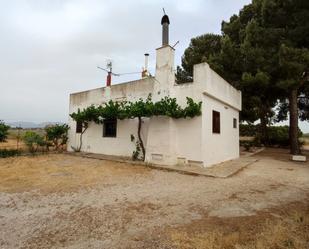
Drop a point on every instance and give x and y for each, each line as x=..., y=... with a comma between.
x=146, y=54
x=165, y=19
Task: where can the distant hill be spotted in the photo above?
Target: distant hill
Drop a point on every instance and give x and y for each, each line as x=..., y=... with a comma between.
x=27, y=125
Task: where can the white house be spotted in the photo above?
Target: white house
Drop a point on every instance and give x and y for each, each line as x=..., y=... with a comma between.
x=208, y=139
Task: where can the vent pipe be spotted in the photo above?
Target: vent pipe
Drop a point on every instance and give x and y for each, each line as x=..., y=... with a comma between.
x=145, y=69
x=165, y=22
x=146, y=62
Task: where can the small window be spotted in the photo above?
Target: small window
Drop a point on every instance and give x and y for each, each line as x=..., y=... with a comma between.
x=79, y=127
x=110, y=128
x=235, y=123
x=215, y=122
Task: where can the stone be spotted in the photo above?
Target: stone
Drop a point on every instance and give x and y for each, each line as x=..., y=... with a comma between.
x=299, y=158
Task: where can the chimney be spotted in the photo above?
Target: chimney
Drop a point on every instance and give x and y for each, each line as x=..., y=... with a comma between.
x=165, y=22
x=145, y=69
x=109, y=79
x=146, y=62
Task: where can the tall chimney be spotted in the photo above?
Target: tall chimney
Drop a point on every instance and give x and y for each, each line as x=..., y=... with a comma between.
x=165, y=22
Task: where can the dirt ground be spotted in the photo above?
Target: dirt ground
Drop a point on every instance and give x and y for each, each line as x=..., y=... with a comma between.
x=62, y=201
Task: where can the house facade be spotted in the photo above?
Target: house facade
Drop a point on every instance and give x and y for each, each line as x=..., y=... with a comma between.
x=205, y=140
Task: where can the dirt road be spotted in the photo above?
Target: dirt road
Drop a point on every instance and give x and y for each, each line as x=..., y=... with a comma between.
x=55, y=201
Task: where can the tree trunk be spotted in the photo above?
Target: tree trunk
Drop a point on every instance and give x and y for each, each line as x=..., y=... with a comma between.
x=140, y=137
x=263, y=129
x=81, y=139
x=294, y=146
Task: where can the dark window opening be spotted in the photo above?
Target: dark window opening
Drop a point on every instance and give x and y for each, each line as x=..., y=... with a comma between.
x=215, y=122
x=79, y=127
x=235, y=123
x=110, y=128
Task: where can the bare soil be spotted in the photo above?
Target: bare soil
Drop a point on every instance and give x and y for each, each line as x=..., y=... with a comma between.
x=61, y=201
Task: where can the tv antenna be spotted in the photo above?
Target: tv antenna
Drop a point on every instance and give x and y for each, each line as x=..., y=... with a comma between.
x=175, y=44
x=109, y=70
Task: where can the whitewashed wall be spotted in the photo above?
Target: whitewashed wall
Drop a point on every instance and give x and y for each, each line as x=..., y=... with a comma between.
x=221, y=147
x=93, y=140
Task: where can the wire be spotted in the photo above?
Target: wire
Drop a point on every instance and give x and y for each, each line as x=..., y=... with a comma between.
x=119, y=74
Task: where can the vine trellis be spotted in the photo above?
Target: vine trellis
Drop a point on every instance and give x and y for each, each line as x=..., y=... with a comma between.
x=140, y=109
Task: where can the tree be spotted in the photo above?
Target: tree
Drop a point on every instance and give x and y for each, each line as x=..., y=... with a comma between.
x=291, y=19
x=84, y=117
x=3, y=131
x=294, y=64
x=139, y=109
x=264, y=51
x=237, y=56
x=57, y=134
x=33, y=141
x=201, y=48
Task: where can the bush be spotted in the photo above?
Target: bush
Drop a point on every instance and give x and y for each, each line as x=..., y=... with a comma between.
x=3, y=131
x=57, y=134
x=276, y=135
x=9, y=153
x=33, y=141
x=249, y=130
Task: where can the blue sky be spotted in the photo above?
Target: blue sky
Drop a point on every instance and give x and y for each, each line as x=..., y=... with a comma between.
x=52, y=48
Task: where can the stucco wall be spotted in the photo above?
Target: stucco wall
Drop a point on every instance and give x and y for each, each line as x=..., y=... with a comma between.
x=189, y=140
x=224, y=146
x=215, y=86
x=174, y=141
x=93, y=141
x=161, y=141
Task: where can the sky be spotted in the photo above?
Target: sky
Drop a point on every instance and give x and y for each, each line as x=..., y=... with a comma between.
x=51, y=48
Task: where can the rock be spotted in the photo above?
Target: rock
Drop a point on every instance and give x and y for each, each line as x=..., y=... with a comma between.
x=299, y=158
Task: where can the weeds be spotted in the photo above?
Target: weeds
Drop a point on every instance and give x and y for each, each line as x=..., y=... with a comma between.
x=8, y=153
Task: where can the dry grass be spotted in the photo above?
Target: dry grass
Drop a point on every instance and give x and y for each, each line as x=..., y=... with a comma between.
x=12, y=143
x=58, y=172
x=288, y=229
x=14, y=140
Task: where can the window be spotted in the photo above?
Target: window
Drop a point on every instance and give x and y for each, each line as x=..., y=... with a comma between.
x=234, y=123
x=215, y=122
x=79, y=127
x=110, y=128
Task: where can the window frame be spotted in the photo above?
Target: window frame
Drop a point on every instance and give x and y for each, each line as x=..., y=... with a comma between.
x=106, y=132
x=216, y=122
x=235, y=123
x=79, y=127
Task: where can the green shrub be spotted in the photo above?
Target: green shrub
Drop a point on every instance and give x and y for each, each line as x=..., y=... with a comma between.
x=248, y=130
x=33, y=141
x=57, y=134
x=3, y=131
x=8, y=153
x=276, y=135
